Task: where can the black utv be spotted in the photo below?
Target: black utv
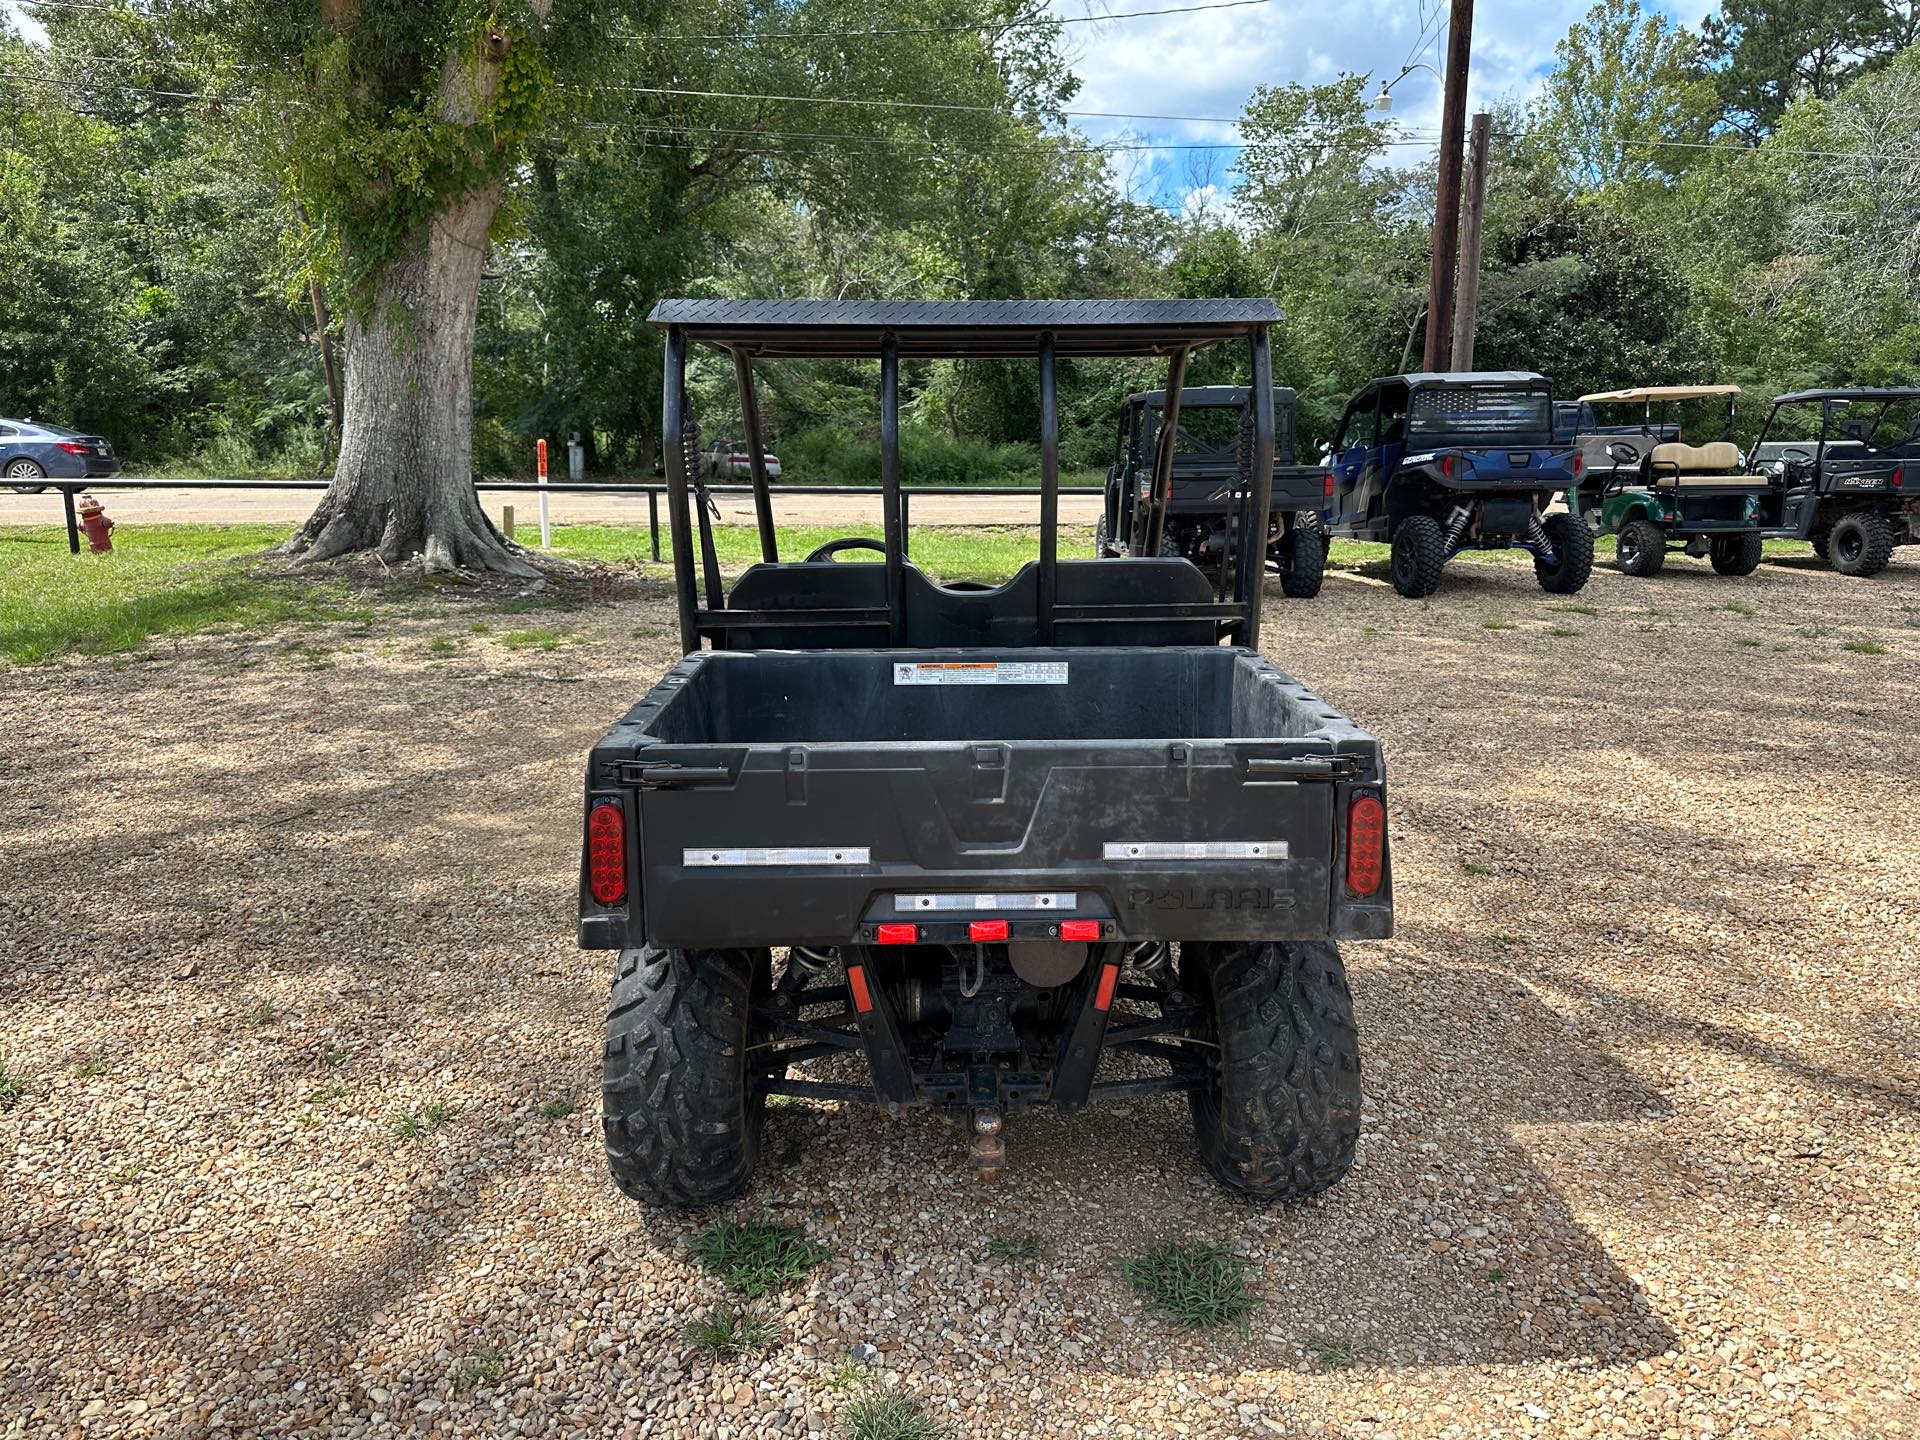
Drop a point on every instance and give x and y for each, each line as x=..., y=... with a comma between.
x=1209, y=479
x=1435, y=464
x=975, y=840
x=1845, y=466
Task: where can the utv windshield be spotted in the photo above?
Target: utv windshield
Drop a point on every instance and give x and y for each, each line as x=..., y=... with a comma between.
x=1211, y=431
x=1481, y=415
x=1874, y=427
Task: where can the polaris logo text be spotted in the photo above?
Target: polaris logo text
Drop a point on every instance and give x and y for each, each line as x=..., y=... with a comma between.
x=1254, y=897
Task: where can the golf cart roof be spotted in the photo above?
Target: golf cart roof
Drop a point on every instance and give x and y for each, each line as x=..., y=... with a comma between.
x=1419, y=378
x=953, y=329
x=1872, y=392
x=1207, y=397
x=1658, y=392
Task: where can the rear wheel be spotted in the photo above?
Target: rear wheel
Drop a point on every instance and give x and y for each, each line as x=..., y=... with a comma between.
x=681, y=1110
x=1279, y=1115
x=1303, y=558
x=24, y=476
x=1100, y=537
x=1822, y=541
x=1419, y=555
x=1862, y=543
x=1642, y=548
x=1735, y=554
x=1572, y=563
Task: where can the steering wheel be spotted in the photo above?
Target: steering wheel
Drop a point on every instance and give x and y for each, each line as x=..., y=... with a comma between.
x=1797, y=455
x=835, y=547
x=1623, y=453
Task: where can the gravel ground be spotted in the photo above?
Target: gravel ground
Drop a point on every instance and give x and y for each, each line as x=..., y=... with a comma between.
x=1641, y=1153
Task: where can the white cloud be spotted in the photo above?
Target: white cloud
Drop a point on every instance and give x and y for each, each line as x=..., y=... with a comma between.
x=29, y=27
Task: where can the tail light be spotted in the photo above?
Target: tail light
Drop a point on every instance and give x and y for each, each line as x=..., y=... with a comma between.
x=1898, y=478
x=1446, y=466
x=1579, y=464
x=1079, y=929
x=896, y=934
x=71, y=448
x=981, y=931
x=1366, y=843
x=1328, y=489
x=607, y=852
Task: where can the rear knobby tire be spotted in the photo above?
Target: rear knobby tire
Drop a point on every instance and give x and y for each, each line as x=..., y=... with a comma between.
x=1303, y=558
x=1419, y=555
x=1819, y=540
x=681, y=1111
x=1572, y=565
x=1861, y=544
x=1641, y=548
x=1100, y=537
x=1279, y=1116
x=1735, y=554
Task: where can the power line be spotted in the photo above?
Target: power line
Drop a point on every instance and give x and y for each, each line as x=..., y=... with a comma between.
x=1019, y=22
x=903, y=104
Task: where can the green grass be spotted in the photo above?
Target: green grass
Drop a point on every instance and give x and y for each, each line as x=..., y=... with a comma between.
x=13, y=1087
x=483, y=1367
x=1331, y=1352
x=327, y=1094
x=1865, y=647
x=334, y=1058
x=1572, y=609
x=1748, y=642
x=1498, y=624
x=262, y=1014
x=1474, y=867
x=90, y=1069
x=159, y=580
x=411, y=1125
x=846, y=1376
x=1025, y=1247
x=1196, y=1286
x=557, y=1109
x=757, y=1257
x=1562, y=632
x=876, y=1414
x=1740, y=607
x=732, y=1334
x=540, y=637
x=125, y=1175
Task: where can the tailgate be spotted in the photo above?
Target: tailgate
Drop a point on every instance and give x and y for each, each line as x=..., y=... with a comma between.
x=818, y=843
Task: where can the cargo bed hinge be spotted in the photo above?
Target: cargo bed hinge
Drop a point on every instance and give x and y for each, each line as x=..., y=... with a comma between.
x=1306, y=767
x=658, y=775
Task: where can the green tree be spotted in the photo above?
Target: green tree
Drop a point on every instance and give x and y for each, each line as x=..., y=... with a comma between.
x=1762, y=55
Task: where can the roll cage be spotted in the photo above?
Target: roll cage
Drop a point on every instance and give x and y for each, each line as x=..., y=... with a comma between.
x=1884, y=398
x=787, y=604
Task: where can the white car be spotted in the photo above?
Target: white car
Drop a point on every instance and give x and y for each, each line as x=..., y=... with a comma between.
x=726, y=461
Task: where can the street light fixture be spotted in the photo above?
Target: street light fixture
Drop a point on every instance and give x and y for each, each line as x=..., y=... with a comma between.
x=1383, y=102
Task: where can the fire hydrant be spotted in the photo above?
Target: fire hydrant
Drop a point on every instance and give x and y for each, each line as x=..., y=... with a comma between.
x=93, y=519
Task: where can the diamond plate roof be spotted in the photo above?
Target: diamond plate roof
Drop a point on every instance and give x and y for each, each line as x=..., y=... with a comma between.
x=951, y=328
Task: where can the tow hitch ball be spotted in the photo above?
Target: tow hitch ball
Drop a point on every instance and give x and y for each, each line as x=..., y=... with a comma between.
x=987, y=1152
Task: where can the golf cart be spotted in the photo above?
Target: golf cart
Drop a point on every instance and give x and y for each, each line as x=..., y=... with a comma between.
x=1211, y=479
x=1845, y=466
x=1435, y=464
x=1645, y=484
x=969, y=839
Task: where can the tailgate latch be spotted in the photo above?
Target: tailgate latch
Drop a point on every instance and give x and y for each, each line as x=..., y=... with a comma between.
x=657, y=775
x=1305, y=767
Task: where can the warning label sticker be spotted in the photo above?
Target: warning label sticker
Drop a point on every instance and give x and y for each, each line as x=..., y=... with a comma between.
x=980, y=672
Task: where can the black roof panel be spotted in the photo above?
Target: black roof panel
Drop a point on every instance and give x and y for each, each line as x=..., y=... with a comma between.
x=932, y=329
x=1870, y=392
x=1468, y=377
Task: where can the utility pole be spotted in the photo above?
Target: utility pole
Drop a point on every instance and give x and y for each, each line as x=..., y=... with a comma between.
x=1446, y=208
x=1466, y=303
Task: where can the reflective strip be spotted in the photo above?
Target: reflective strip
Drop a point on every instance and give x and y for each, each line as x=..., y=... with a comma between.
x=1195, y=850
x=788, y=855
x=1042, y=901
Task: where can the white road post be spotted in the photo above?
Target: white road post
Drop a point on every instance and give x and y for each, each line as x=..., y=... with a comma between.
x=546, y=520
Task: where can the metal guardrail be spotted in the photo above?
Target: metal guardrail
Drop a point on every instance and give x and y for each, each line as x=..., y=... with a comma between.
x=653, y=490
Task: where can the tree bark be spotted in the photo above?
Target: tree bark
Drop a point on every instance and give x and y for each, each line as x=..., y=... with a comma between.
x=404, y=482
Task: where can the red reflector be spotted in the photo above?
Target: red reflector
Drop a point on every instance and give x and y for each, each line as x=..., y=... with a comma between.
x=607, y=852
x=1109, y=977
x=987, y=930
x=897, y=934
x=1366, y=843
x=1079, y=929
x=857, y=983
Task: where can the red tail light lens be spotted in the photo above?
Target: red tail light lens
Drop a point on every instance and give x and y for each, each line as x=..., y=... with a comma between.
x=71, y=448
x=980, y=931
x=1446, y=466
x=1579, y=464
x=1366, y=843
x=1079, y=929
x=897, y=934
x=1328, y=488
x=607, y=852
x=1899, y=478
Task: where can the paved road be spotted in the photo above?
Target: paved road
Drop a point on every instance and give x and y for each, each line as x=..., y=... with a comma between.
x=290, y=507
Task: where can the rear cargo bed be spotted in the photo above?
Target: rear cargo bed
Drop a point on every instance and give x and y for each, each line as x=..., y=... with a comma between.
x=807, y=797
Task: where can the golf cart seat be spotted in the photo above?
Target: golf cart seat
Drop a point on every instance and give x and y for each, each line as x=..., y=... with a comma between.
x=941, y=615
x=1718, y=463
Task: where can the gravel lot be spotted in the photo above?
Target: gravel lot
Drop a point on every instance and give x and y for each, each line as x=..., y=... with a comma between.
x=1642, y=1155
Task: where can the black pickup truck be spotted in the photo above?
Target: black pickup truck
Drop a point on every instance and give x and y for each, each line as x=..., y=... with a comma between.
x=979, y=836
x=1208, y=460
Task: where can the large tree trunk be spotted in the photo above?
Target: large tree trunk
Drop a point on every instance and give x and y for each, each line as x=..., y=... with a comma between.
x=404, y=483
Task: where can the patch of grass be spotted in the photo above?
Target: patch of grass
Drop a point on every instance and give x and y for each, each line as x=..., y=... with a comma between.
x=411, y=1125
x=757, y=1257
x=1505, y=937
x=125, y=1175
x=1474, y=867
x=540, y=637
x=1494, y=1277
x=732, y=1334
x=479, y=627
x=1815, y=631
x=85, y=1070
x=558, y=1109
x=1741, y=607
x=1747, y=642
x=13, y=1087
x=1561, y=632
x=1574, y=609
x=334, y=1058
x=1196, y=1286
x=483, y=1367
x=441, y=646
x=845, y=1376
x=327, y=1094
x=1498, y=624
x=1331, y=1352
x=876, y=1414
x=1865, y=647
x=1023, y=1247
x=263, y=1014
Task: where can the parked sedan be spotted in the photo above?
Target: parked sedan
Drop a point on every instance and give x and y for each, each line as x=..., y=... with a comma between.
x=31, y=455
